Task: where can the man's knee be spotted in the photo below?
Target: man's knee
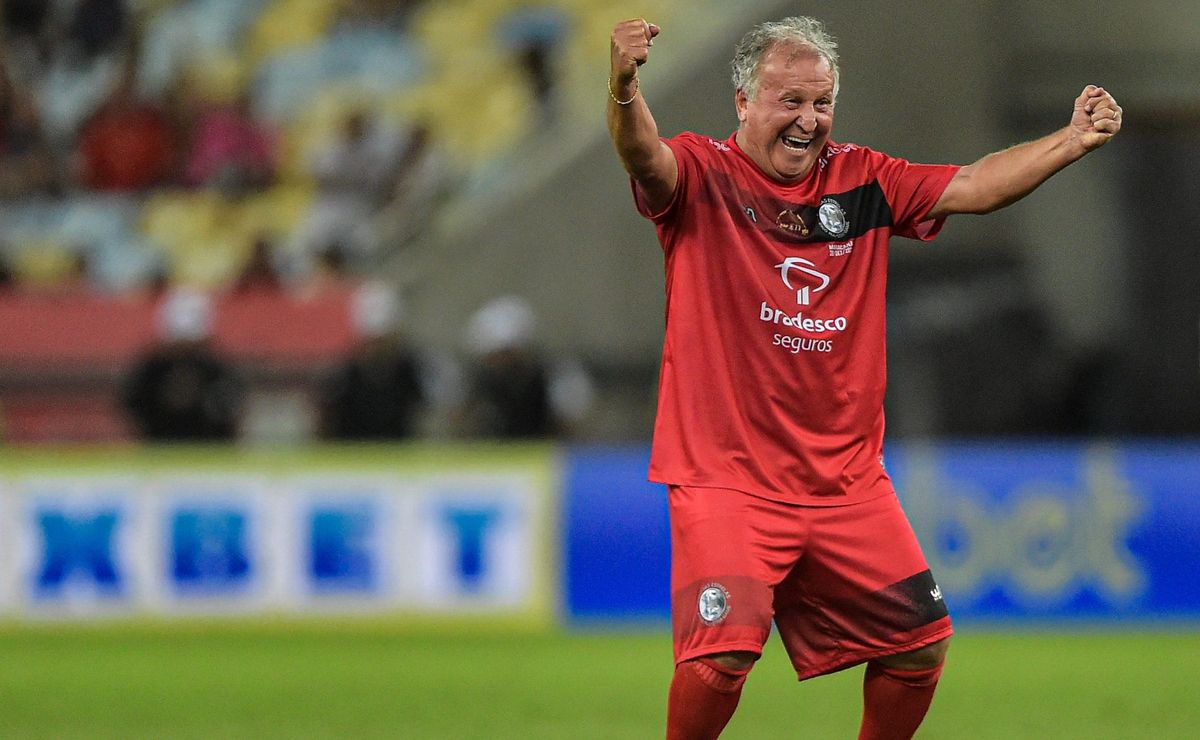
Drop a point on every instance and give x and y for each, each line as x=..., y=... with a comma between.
x=930, y=656
x=724, y=672
x=738, y=660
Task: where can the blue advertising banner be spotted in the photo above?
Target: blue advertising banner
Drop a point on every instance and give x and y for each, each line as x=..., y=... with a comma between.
x=1057, y=531
x=617, y=538
x=1013, y=531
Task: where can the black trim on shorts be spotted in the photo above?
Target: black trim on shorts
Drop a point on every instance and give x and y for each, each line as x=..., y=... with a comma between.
x=901, y=607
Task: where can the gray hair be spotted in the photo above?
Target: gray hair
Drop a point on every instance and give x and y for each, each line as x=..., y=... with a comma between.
x=793, y=31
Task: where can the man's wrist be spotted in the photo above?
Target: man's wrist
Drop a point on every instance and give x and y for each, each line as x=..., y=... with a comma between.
x=623, y=92
x=1073, y=145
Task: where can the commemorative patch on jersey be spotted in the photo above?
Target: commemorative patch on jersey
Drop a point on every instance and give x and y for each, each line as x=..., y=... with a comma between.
x=833, y=218
x=714, y=603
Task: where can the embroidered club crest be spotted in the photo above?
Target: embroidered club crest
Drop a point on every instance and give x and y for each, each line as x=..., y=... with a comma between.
x=714, y=603
x=833, y=218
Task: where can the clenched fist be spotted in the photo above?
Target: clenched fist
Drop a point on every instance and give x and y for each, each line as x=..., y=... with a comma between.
x=631, y=42
x=1096, y=118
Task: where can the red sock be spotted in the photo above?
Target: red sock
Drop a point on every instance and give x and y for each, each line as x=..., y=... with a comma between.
x=702, y=699
x=895, y=701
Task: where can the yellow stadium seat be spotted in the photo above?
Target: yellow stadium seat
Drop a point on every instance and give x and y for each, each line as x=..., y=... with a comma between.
x=504, y=100
x=275, y=213
x=453, y=30
x=174, y=218
x=286, y=24
x=44, y=262
x=219, y=78
x=211, y=262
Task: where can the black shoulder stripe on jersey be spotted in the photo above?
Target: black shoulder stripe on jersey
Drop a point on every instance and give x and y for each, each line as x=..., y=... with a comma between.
x=865, y=208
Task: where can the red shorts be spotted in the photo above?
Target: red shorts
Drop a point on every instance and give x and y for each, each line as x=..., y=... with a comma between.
x=843, y=584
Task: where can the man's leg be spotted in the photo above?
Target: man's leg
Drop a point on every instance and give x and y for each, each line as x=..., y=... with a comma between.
x=704, y=694
x=897, y=691
x=723, y=572
x=862, y=592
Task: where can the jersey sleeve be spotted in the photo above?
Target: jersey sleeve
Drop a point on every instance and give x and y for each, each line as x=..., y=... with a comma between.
x=911, y=191
x=688, y=153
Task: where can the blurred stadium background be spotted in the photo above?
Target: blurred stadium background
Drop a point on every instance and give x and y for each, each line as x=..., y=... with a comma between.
x=326, y=173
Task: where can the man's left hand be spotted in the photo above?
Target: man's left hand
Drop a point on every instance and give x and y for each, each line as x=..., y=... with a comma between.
x=1097, y=117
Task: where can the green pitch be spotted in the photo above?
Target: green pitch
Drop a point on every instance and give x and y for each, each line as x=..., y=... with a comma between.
x=356, y=680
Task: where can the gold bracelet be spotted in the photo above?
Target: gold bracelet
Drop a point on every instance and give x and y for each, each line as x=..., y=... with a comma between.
x=611, y=94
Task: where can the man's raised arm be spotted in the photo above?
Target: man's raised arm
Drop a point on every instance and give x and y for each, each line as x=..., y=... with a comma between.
x=647, y=159
x=1006, y=176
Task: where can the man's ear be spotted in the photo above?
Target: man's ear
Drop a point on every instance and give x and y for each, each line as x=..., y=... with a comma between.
x=740, y=103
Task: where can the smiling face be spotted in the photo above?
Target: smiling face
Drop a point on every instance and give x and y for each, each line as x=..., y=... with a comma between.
x=785, y=125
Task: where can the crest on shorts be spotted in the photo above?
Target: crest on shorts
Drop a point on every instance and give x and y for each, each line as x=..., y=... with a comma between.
x=833, y=218
x=714, y=603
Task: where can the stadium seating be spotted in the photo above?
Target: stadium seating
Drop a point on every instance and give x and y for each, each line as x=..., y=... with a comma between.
x=453, y=66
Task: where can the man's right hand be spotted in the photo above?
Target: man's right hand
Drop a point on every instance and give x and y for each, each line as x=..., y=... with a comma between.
x=631, y=42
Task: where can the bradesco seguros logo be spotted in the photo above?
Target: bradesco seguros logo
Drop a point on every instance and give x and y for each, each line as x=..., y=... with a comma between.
x=811, y=280
x=802, y=276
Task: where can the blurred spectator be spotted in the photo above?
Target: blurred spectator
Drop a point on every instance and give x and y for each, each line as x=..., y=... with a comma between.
x=229, y=148
x=24, y=18
x=157, y=281
x=331, y=267
x=8, y=278
x=129, y=143
x=361, y=159
x=259, y=273
x=424, y=180
x=322, y=273
x=355, y=173
x=69, y=91
x=378, y=392
x=77, y=277
x=97, y=27
x=513, y=392
x=184, y=38
x=25, y=41
x=27, y=163
x=534, y=35
x=183, y=390
x=26, y=28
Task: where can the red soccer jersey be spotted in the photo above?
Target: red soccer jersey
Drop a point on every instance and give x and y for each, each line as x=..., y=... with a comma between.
x=773, y=367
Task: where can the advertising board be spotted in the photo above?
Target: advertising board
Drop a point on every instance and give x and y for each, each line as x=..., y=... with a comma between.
x=1027, y=531
x=208, y=533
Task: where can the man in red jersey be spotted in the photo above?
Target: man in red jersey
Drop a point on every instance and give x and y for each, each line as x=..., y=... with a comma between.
x=769, y=430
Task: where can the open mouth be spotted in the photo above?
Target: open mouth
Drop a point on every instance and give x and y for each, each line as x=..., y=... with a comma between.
x=795, y=143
